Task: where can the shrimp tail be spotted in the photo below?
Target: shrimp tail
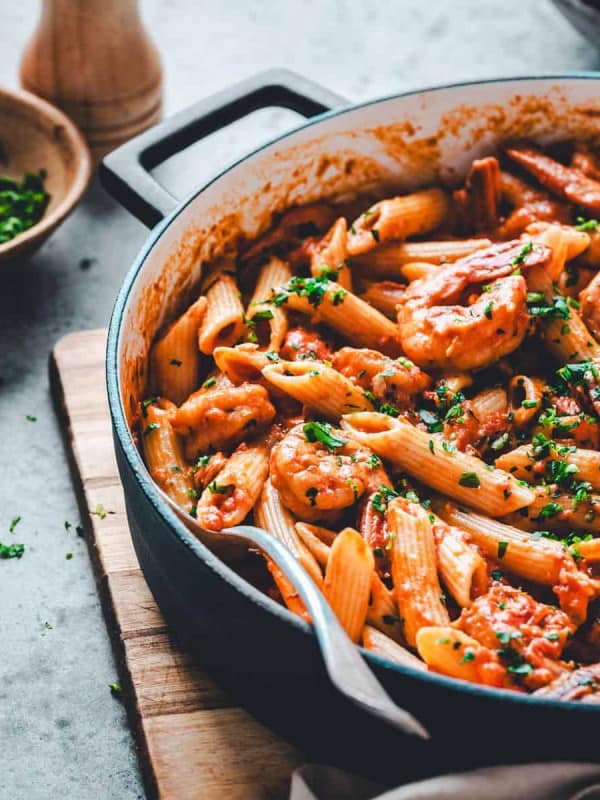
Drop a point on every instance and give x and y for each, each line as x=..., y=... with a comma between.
x=566, y=182
x=478, y=202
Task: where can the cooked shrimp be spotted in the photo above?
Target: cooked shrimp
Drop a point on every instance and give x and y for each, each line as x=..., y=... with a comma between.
x=567, y=182
x=301, y=343
x=392, y=380
x=435, y=332
x=529, y=205
x=316, y=481
x=221, y=418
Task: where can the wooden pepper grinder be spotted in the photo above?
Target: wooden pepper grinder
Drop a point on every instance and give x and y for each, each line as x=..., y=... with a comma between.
x=95, y=60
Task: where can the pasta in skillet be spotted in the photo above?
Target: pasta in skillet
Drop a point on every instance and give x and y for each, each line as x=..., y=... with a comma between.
x=405, y=392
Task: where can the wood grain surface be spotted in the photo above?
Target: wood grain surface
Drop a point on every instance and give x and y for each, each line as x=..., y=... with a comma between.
x=194, y=743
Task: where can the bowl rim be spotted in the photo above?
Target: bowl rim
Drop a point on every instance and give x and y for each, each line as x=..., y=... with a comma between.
x=135, y=463
x=78, y=184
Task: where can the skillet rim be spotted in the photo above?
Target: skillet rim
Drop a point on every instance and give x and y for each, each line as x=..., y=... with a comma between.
x=146, y=484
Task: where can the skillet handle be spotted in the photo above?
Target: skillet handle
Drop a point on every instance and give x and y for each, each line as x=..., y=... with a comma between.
x=125, y=173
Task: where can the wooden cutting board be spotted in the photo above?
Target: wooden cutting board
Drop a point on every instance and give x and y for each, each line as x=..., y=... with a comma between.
x=194, y=743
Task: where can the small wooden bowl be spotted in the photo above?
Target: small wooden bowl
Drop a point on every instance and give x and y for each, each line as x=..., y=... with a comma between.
x=35, y=135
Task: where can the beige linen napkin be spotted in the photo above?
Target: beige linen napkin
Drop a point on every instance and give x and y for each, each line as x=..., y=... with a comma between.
x=557, y=781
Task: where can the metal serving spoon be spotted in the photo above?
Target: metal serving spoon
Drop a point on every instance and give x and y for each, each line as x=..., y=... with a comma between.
x=347, y=670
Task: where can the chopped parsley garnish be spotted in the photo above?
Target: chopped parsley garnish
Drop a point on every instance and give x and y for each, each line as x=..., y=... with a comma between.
x=388, y=409
x=448, y=447
x=583, y=224
x=115, y=689
x=100, y=511
x=272, y=356
x=373, y=461
x=259, y=315
x=431, y=447
x=550, y=510
x=579, y=373
x=488, y=309
x=468, y=656
x=470, y=480
x=30, y=418
x=147, y=402
x=151, y=427
x=209, y=382
x=13, y=524
x=434, y=424
x=323, y=433
x=529, y=404
x=11, y=550
x=380, y=499
x=313, y=288
x=312, y=495
x=68, y=556
x=174, y=468
x=338, y=296
x=202, y=462
x=86, y=263
x=521, y=256
x=217, y=488
x=500, y=442
x=557, y=309
x=502, y=548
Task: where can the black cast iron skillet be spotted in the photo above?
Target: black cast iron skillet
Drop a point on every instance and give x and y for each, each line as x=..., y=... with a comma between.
x=264, y=655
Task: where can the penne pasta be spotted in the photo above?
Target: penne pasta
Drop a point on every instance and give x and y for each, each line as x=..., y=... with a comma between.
x=382, y=612
x=397, y=218
x=569, y=340
x=450, y=652
x=319, y=549
x=523, y=463
x=175, y=360
x=326, y=302
x=164, y=456
x=590, y=550
x=539, y=560
x=243, y=363
x=561, y=511
x=524, y=398
x=414, y=571
x=288, y=593
x=229, y=498
x=377, y=642
x=223, y=324
x=488, y=402
x=384, y=296
x=386, y=261
x=273, y=516
x=331, y=253
x=461, y=567
x=348, y=581
x=320, y=387
x=417, y=269
x=423, y=456
x=268, y=323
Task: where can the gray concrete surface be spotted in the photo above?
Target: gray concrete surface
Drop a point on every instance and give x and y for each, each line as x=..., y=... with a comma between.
x=62, y=735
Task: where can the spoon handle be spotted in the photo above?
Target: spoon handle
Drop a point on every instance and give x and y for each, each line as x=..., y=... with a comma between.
x=347, y=669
